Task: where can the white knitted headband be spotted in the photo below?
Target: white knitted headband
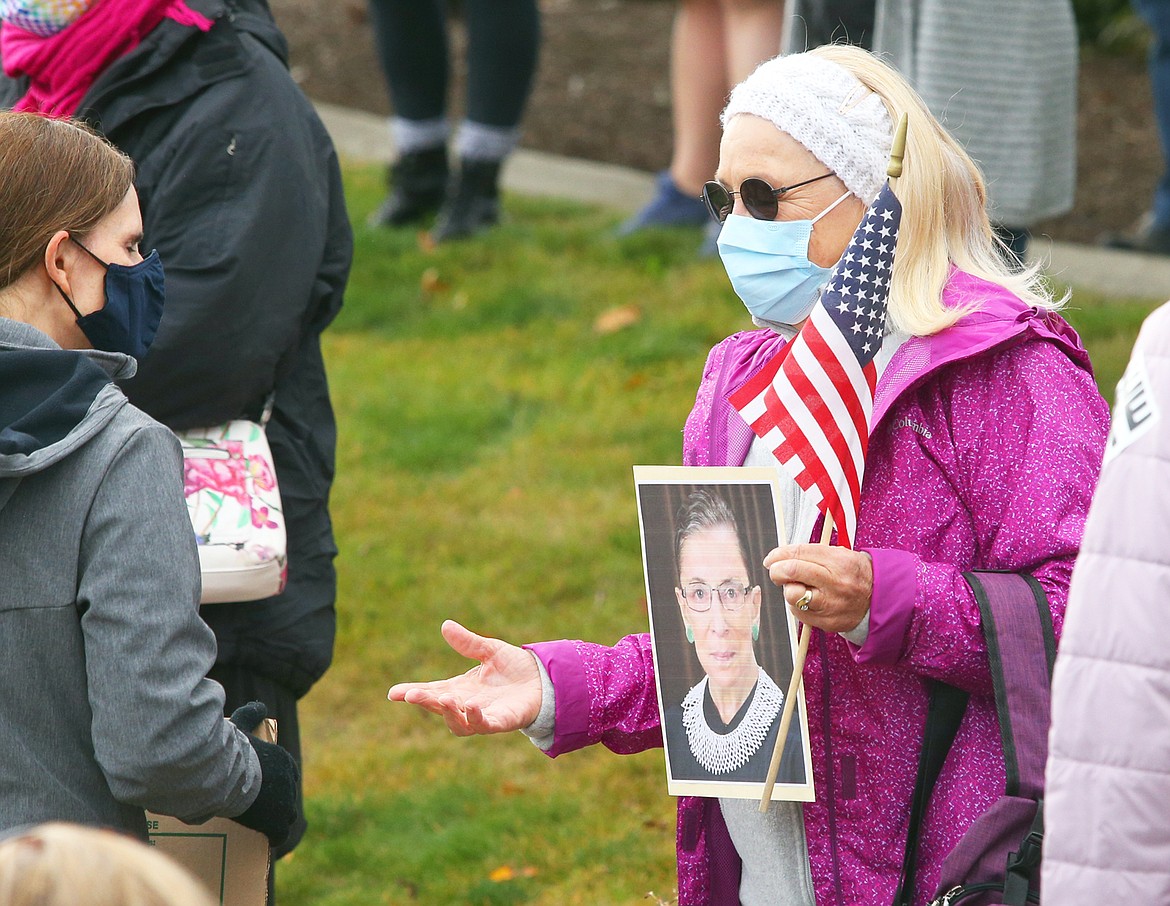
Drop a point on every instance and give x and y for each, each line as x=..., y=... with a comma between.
x=825, y=108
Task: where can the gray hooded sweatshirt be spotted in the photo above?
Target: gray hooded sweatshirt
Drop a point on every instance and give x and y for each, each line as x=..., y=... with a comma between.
x=104, y=708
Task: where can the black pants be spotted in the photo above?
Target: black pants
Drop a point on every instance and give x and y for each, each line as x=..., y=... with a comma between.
x=503, y=37
x=830, y=21
x=1016, y=239
x=242, y=686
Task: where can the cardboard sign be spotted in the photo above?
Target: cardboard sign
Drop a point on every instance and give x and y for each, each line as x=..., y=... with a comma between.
x=231, y=860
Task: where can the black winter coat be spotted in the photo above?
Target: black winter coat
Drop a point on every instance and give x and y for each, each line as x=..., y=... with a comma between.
x=241, y=194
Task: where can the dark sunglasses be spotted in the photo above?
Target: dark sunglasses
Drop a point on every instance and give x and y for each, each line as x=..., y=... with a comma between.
x=758, y=197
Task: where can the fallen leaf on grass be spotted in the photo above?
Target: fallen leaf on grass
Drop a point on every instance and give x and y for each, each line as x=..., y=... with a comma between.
x=618, y=318
x=507, y=873
x=432, y=282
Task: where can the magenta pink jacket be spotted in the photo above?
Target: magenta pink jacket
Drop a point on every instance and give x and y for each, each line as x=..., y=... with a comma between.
x=984, y=452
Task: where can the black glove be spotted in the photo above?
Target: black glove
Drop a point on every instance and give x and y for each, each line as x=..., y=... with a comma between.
x=275, y=809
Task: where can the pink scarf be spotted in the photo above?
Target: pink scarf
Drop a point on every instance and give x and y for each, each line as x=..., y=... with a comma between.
x=63, y=67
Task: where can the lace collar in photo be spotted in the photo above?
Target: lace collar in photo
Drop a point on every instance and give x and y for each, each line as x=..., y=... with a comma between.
x=722, y=753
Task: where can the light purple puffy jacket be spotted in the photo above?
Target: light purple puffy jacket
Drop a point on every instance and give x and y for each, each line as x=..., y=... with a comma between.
x=984, y=452
x=1107, y=835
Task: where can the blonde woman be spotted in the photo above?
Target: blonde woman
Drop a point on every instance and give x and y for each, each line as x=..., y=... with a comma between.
x=984, y=450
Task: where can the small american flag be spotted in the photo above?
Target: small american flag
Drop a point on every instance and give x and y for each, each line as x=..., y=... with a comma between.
x=813, y=401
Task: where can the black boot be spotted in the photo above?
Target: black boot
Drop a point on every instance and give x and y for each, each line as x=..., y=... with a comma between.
x=473, y=201
x=418, y=184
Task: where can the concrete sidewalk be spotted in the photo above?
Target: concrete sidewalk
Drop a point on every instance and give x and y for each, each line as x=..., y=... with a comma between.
x=364, y=136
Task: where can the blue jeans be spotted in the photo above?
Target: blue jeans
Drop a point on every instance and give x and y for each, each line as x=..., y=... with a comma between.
x=1156, y=13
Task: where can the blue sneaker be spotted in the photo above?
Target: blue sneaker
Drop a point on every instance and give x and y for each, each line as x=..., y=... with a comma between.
x=670, y=207
x=1147, y=236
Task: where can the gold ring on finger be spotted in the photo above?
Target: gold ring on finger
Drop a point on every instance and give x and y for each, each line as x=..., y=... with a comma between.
x=804, y=600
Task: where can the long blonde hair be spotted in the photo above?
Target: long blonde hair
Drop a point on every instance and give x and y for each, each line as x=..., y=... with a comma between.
x=60, y=864
x=944, y=210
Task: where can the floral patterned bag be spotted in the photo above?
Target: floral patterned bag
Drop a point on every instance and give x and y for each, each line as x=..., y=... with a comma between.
x=232, y=497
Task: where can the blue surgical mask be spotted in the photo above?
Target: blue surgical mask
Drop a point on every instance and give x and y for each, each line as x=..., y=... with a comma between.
x=767, y=262
x=134, y=302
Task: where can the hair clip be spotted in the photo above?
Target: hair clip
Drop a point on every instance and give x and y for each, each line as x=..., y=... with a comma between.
x=855, y=97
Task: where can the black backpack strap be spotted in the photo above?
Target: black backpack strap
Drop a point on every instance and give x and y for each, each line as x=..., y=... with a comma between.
x=1023, y=702
x=1022, y=682
x=1022, y=865
x=943, y=716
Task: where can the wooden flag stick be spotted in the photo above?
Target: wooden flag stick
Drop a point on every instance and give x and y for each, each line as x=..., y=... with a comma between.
x=793, y=688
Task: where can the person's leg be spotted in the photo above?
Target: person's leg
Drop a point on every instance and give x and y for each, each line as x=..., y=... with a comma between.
x=752, y=32
x=1156, y=13
x=839, y=21
x=1015, y=239
x=503, y=43
x=698, y=90
x=411, y=41
x=1152, y=233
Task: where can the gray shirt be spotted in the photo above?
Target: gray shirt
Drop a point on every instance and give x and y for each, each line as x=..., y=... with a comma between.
x=1001, y=75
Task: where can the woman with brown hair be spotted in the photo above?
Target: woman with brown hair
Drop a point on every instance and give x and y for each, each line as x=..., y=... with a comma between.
x=241, y=194
x=103, y=697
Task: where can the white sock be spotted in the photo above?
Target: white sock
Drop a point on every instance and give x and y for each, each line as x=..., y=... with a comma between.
x=418, y=135
x=485, y=143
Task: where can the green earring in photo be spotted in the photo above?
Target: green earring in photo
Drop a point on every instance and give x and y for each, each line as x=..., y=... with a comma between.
x=755, y=632
x=690, y=635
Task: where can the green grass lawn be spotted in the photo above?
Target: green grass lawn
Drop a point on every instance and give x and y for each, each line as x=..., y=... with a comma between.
x=490, y=407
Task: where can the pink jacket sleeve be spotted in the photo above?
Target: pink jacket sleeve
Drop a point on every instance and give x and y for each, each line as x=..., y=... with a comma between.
x=603, y=694
x=1024, y=431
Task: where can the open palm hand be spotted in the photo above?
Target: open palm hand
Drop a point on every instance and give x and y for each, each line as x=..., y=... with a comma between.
x=500, y=694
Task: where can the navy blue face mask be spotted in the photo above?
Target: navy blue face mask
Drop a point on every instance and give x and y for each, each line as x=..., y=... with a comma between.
x=134, y=302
